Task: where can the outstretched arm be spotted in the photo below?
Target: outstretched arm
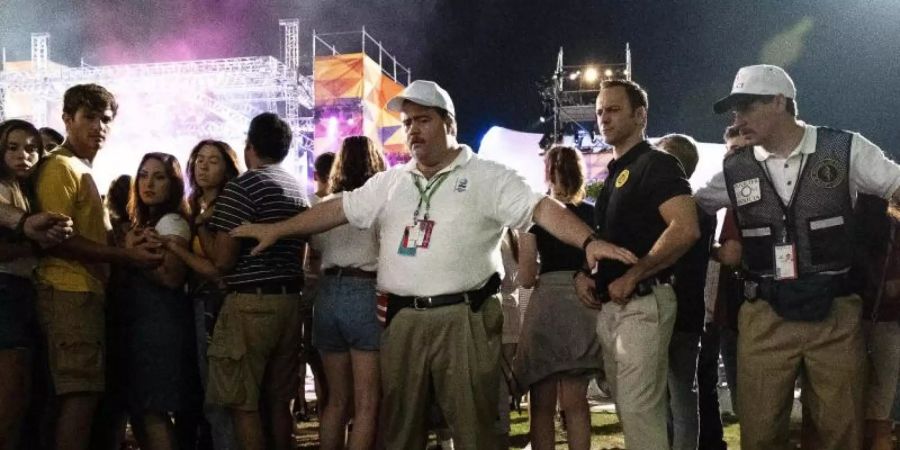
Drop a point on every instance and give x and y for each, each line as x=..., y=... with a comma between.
x=45, y=228
x=567, y=227
x=322, y=217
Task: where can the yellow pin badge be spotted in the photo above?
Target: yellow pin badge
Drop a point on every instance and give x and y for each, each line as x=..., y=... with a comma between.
x=622, y=178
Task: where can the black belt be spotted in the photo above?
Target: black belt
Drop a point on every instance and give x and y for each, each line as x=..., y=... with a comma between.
x=474, y=298
x=758, y=288
x=350, y=272
x=270, y=288
x=644, y=287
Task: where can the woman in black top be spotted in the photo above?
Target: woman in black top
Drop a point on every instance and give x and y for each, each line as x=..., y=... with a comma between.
x=559, y=351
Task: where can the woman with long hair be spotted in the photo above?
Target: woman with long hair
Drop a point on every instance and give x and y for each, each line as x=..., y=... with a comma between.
x=156, y=320
x=558, y=351
x=211, y=165
x=20, y=151
x=345, y=328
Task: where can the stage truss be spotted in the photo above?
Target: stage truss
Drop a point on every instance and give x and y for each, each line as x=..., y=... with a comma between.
x=169, y=106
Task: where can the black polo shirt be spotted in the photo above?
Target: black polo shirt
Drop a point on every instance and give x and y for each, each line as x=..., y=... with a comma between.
x=627, y=209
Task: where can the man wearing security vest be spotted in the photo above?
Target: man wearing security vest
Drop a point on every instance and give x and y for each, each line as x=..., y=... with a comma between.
x=793, y=194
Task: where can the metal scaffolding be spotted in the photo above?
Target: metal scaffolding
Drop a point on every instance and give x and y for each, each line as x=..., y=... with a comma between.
x=569, y=98
x=232, y=90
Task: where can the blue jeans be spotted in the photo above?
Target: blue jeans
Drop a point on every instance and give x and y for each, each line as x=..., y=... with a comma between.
x=684, y=349
x=345, y=315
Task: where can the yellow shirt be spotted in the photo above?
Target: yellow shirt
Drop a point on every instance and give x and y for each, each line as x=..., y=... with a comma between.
x=65, y=185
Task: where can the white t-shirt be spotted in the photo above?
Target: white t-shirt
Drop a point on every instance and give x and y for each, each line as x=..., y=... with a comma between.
x=871, y=172
x=347, y=246
x=173, y=225
x=469, y=209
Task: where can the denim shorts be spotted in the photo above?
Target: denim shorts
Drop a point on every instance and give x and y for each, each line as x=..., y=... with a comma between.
x=18, y=316
x=344, y=316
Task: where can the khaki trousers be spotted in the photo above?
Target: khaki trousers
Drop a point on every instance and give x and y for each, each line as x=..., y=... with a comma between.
x=635, y=340
x=449, y=355
x=773, y=353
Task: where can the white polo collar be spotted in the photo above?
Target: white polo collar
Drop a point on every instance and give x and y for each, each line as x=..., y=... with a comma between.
x=465, y=155
x=807, y=146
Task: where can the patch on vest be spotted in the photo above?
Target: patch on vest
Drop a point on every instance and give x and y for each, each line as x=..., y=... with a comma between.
x=827, y=173
x=622, y=178
x=747, y=192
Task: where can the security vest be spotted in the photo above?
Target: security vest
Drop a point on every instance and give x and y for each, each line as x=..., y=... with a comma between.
x=817, y=220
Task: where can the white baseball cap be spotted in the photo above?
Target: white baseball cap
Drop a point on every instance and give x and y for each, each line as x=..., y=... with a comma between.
x=425, y=93
x=761, y=79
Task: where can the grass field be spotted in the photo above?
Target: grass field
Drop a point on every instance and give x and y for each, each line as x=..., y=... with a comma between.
x=605, y=429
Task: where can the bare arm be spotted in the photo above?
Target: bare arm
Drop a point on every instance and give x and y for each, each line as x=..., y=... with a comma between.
x=197, y=263
x=682, y=230
x=44, y=227
x=172, y=272
x=225, y=252
x=528, y=264
x=146, y=255
x=321, y=217
x=895, y=197
x=567, y=227
x=729, y=253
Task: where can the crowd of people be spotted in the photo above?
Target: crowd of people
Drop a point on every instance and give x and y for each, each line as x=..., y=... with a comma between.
x=188, y=302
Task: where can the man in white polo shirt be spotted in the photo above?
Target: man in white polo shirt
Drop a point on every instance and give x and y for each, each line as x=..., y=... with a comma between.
x=441, y=217
x=792, y=193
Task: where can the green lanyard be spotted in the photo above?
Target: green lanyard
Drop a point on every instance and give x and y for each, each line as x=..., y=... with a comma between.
x=426, y=192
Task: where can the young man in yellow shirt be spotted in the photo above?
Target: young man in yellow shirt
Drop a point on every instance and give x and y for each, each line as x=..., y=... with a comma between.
x=71, y=276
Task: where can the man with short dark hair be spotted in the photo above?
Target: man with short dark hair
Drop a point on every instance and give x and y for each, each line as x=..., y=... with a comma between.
x=793, y=194
x=253, y=356
x=71, y=277
x=645, y=206
x=684, y=347
x=440, y=219
x=322, y=174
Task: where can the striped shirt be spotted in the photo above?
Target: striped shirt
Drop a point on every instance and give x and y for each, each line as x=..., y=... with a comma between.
x=264, y=195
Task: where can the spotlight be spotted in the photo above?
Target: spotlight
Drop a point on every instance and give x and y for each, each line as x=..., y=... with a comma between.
x=543, y=119
x=333, y=122
x=574, y=75
x=591, y=75
x=351, y=121
x=608, y=73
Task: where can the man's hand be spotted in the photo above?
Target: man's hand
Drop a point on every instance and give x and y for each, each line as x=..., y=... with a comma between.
x=264, y=233
x=599, y=249
x=146, y=255
x=48, y=229
x=621, y=288
x=585, y=287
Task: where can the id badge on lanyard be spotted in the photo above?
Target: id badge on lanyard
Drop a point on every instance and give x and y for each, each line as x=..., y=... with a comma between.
x=417, y=235
x=785, y=261
x=784, y=254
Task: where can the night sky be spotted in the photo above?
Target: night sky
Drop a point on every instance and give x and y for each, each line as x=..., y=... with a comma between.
x=843, y=55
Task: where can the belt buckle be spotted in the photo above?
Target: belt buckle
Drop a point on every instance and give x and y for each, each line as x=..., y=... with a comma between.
x=421, y=303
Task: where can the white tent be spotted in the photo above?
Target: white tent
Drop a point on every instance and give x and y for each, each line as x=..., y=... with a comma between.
x=521, y=152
